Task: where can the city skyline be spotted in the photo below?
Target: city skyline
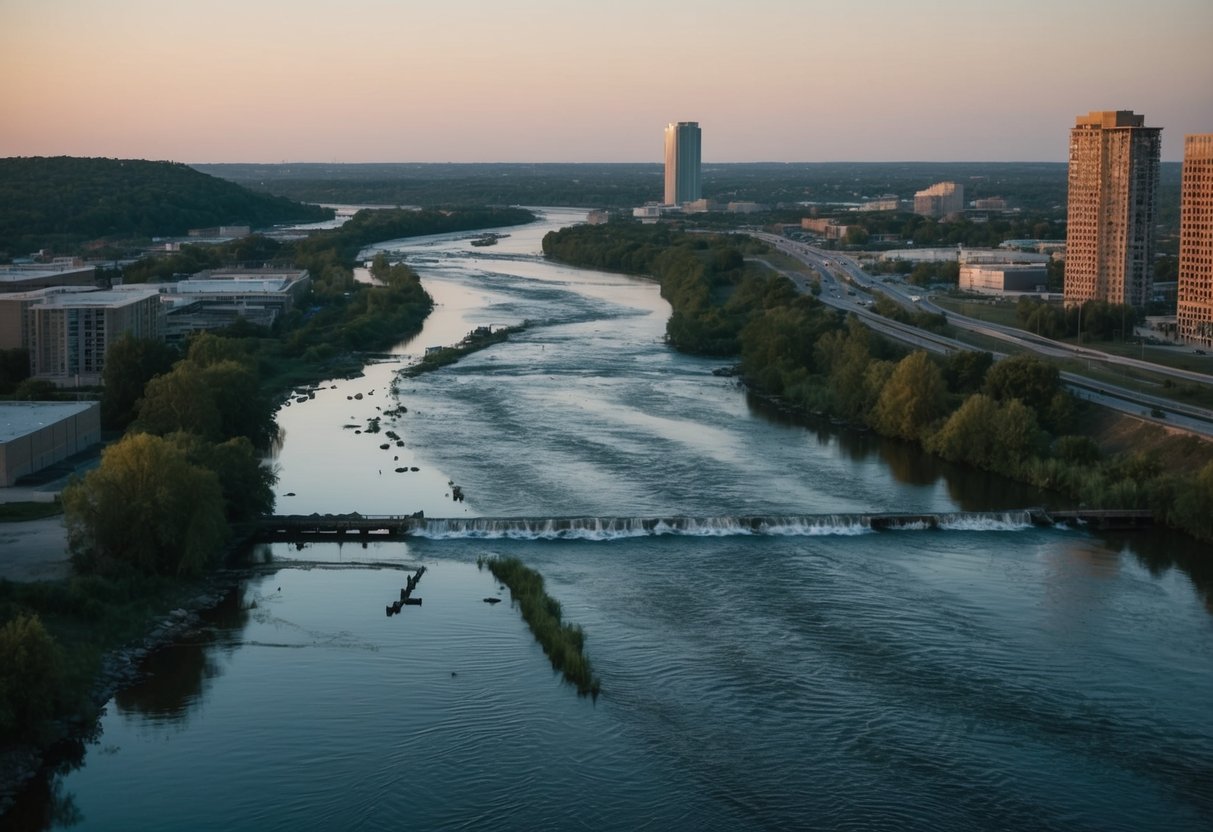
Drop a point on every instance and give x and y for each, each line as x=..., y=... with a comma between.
x=774, y=80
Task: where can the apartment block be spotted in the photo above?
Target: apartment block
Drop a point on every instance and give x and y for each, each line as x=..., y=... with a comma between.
x=940, y=200
x=68, y=333
x=1113, y=183
x=1194, y=319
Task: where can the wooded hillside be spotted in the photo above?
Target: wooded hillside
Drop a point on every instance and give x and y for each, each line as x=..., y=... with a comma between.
x=61, y=202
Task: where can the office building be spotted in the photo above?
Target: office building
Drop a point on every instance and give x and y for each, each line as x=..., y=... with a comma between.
x=1003, y=279
x=1194, y=317
x=682, y=161
x=67, y=333
x=940, y=200
x=1113, y=181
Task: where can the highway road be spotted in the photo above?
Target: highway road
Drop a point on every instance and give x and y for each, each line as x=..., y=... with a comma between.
x=846, y=286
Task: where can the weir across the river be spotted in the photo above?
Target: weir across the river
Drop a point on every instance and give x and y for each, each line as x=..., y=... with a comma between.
x=296, y=527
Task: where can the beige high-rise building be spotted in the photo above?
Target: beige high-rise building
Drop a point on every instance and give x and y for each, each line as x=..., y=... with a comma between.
x=1113, y=182
x=682, y=178
x=940, y=200
x=1195, y=317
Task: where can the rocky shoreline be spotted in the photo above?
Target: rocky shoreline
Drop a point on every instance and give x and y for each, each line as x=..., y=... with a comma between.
x=120, y=668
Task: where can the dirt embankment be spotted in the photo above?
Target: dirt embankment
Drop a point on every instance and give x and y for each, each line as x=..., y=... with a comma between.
x=1177, y=451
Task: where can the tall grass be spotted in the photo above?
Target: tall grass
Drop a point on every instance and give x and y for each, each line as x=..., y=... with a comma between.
x=563, y=643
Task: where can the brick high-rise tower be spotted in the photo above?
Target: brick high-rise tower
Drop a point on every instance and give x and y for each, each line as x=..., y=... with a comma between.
x=1110, y=229
x=1195, y=318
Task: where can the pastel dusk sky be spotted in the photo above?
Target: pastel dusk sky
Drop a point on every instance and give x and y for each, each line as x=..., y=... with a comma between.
x=574, y=81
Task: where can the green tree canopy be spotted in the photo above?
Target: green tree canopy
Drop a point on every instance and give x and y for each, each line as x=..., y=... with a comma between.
x=145, y=508
x=988, y=434
x=130, y=363
x=180, y=400
x=1037, y=384
x=30, y=674
x=912, y=399
x=247, y=484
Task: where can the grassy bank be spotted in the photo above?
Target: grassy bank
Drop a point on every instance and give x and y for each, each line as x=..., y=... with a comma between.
x=563, y=643
x=20, y=512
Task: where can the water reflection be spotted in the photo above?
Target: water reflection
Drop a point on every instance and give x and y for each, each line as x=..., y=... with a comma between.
x=969, y=488
x=1160, y=550
x=175, y=678
x=45, y=803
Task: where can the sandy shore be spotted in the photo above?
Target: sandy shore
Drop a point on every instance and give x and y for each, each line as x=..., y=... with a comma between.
x=35, y=550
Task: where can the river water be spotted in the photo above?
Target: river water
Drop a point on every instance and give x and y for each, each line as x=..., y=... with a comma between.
x=987, y=675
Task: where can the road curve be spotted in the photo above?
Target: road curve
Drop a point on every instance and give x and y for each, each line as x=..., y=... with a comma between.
x=845, y=286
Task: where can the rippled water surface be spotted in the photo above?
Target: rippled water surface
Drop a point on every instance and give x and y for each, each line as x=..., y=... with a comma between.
x=989, y=675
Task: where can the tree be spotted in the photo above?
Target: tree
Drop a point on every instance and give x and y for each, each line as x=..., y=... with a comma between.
x=180, y=400
x=989, y=435
x=242, y=408
x=206, y=349
x=912, y=399
x=965, y=370
x=30, y=673
x=247, y=484
x=1037, y=384
x=130, y=363
x=856, y=235
x=14, y=368
x=36, y=390
x=1194, y=504
x=1023, y=377
x=968, y=435
x=145, y=508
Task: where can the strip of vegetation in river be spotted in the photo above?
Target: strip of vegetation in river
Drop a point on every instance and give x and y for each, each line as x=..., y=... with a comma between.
x=562, y=642
x=478, y=339
x=1012, y=418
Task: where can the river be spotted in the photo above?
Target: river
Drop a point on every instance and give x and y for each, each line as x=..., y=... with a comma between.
x=989, y=675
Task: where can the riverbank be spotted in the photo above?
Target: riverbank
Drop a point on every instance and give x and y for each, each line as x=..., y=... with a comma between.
x=1013, y=418
x=104, y=626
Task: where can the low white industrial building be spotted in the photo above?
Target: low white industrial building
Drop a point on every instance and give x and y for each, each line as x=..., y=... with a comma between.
x=1001, y=279
x=35, y=435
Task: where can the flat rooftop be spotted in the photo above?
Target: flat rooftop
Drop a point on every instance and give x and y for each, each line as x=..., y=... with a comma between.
x=19, y=419
x=231, y=287
x=17, y=274
x=92, y=300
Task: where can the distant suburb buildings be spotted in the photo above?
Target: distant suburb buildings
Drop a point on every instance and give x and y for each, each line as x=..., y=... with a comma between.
x=682, y=163
x=1113, y=180
x=1195, y=312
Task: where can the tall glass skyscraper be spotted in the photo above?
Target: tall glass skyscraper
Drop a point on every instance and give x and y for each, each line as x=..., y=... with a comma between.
x=682, y=180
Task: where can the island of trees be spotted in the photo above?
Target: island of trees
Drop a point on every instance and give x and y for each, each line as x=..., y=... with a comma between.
x=1012, y=418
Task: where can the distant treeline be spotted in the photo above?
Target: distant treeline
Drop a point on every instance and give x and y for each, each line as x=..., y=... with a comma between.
x=1035, y=186
x=1013, y=418
x=1037, y=189
x=62, y=202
